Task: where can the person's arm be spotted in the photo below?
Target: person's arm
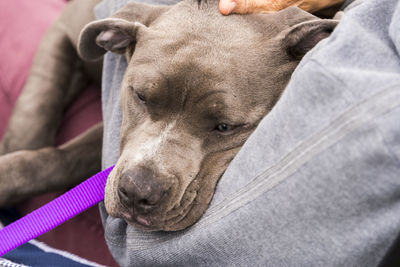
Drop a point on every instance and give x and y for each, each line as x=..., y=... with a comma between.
x=227, y=7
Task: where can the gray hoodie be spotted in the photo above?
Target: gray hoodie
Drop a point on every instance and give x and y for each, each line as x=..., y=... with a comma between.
x=323, y=190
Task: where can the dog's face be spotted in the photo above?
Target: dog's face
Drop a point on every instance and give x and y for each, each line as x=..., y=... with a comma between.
x=196, y=86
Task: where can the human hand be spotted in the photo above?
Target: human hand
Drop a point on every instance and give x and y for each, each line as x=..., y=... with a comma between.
x=227, y=7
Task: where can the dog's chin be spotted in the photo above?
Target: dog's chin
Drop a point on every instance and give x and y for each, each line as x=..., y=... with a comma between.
x=151, y=223
x=141, y=222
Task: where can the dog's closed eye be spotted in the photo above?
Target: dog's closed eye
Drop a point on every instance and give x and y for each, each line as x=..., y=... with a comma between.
x=142, y=98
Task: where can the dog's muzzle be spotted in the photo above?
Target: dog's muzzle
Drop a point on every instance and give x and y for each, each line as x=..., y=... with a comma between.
x=140, y=191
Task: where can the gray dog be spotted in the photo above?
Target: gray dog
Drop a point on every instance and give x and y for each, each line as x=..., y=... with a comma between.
x=196, y=86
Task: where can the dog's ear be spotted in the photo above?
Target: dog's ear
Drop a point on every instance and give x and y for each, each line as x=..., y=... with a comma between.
x=117, y=32
x=109, y=34
x=302, y=37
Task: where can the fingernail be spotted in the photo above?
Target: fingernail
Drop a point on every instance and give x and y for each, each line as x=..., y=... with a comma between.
x=227, y=7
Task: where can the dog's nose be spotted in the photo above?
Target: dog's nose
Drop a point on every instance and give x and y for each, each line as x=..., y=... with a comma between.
x=140, y=188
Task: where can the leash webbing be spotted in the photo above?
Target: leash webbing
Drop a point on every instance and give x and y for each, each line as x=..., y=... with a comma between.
x=56, y=212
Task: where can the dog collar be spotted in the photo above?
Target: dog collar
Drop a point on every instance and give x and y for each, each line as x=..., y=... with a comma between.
x=56, y=212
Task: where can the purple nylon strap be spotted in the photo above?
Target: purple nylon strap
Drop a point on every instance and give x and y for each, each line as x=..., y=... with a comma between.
x=51, y=215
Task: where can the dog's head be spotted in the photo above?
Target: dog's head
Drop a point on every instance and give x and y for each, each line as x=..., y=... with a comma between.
x=196, y=86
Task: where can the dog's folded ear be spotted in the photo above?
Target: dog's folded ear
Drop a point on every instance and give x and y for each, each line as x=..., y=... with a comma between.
x=117, y=32
x=109, y=34
x=302, y=37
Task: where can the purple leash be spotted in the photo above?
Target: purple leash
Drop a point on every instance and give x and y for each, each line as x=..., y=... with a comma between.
x=58, y=211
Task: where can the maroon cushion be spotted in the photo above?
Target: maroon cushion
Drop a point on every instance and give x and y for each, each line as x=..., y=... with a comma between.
x=22, y=24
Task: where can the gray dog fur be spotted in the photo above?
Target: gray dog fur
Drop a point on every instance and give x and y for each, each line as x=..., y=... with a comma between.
x=196, y=86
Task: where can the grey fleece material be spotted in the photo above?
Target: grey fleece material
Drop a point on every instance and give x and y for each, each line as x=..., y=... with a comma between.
x=317, y=184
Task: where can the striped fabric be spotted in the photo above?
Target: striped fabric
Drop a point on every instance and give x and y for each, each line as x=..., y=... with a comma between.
x=35, y=254
x=7, y=263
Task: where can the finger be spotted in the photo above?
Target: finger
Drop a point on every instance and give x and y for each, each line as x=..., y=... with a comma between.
x=227, y=7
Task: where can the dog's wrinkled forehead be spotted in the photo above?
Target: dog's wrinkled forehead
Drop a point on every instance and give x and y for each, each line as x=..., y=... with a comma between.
x=201, y=32
x=196, y=41
x=186, y=25
x=186, y=33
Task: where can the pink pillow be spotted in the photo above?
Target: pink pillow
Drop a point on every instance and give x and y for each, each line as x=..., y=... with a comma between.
x=22, y=25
